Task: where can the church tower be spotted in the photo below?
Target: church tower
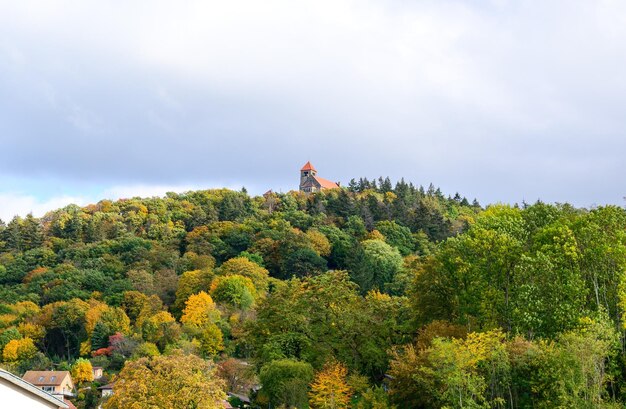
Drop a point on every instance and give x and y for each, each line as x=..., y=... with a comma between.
x=307, y=172
x=310, y=182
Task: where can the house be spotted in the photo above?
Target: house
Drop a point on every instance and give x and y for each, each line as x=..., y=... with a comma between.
x=310, y=182
x=53, y=382
x=106, y=390
x=97, y=372
x=15, y=392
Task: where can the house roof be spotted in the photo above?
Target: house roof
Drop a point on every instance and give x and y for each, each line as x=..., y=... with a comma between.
x=107, y=386
x=29, y=387
x=325, y=183
x=308, y=166
x=241, y=397
x=39, y=378
x=69, y=404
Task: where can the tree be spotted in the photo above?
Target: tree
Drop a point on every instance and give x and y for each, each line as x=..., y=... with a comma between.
x=133, y=302
x=167, y=382
x=234, y=290
x=321, y=317
x=8, y=335
x=165, y=283
x=374, y=398
x=199, y=318
x=471, y=372
x=573, y=370
x=240, y=376
x=329, y=389
x=244, y=267
x=103, y=321
x=304, y=262
x=211, y=340
x=142, y=281
x=397, y=236
x=190, y=282
x=286, y=382
x=82, y=371
x=378, y=265
x=319, y=242
x=19, y=350
x=161, y=329
x=31, y=233
x=65, y=326
x=200, y=311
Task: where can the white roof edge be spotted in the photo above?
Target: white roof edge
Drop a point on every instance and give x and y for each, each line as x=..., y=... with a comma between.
x=16, y=380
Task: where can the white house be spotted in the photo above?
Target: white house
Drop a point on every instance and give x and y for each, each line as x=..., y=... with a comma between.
x=18, y=393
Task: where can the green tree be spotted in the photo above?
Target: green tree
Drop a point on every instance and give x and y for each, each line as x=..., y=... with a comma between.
x=378, y=266
x=286, y=382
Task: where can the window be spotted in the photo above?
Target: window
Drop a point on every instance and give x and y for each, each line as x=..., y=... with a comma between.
x=41, y=379
x=52, y=378
x=48, y=388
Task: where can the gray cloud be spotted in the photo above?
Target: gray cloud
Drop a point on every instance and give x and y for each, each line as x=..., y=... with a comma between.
x=500, y=100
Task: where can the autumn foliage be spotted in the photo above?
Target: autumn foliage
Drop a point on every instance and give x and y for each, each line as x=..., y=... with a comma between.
x=330, y=390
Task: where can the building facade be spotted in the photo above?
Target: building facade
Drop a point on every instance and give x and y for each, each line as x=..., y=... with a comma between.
x=54, y=382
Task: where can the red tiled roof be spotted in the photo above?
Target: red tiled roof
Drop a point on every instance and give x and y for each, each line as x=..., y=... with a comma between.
x=325, y=183
x=40, y=378
x=308, y=166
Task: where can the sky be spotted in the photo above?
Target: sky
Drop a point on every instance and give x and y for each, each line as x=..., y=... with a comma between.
x=498, y=100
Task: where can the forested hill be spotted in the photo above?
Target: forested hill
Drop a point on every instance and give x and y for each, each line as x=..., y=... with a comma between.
x=447, y=303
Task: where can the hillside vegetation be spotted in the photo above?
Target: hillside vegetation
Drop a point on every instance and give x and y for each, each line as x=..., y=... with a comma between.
x=370, y=296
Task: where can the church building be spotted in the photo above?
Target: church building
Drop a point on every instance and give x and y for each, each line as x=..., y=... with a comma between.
x=310, y=182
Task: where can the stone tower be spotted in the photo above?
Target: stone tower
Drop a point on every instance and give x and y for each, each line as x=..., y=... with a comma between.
x=306, y=173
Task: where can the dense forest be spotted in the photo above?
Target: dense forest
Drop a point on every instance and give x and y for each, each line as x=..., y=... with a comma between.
x=370, y=296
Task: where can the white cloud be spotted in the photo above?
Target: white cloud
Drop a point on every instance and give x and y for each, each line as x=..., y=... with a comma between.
x=127, y=192
x=15, y=204
x=447, y=91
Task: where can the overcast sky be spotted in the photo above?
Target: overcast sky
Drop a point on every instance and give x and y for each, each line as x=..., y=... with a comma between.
x=498, y=100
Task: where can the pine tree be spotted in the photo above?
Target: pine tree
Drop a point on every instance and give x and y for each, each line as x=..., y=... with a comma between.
x=31, y=232
x=100, y=336
x=12, y=235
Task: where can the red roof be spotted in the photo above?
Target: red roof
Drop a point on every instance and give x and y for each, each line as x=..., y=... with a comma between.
x=308, y=166
x=325, y=183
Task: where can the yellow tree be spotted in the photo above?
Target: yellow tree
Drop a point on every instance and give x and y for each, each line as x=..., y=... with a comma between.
x=199, y=318
x=244, y=267
x=329, y=389
x=161, y=329
x=9, y=354
x=167, y=382
x=200, y=311
x=19, y=350
x=82, y=371
x=33, y=331
x=191, y=282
